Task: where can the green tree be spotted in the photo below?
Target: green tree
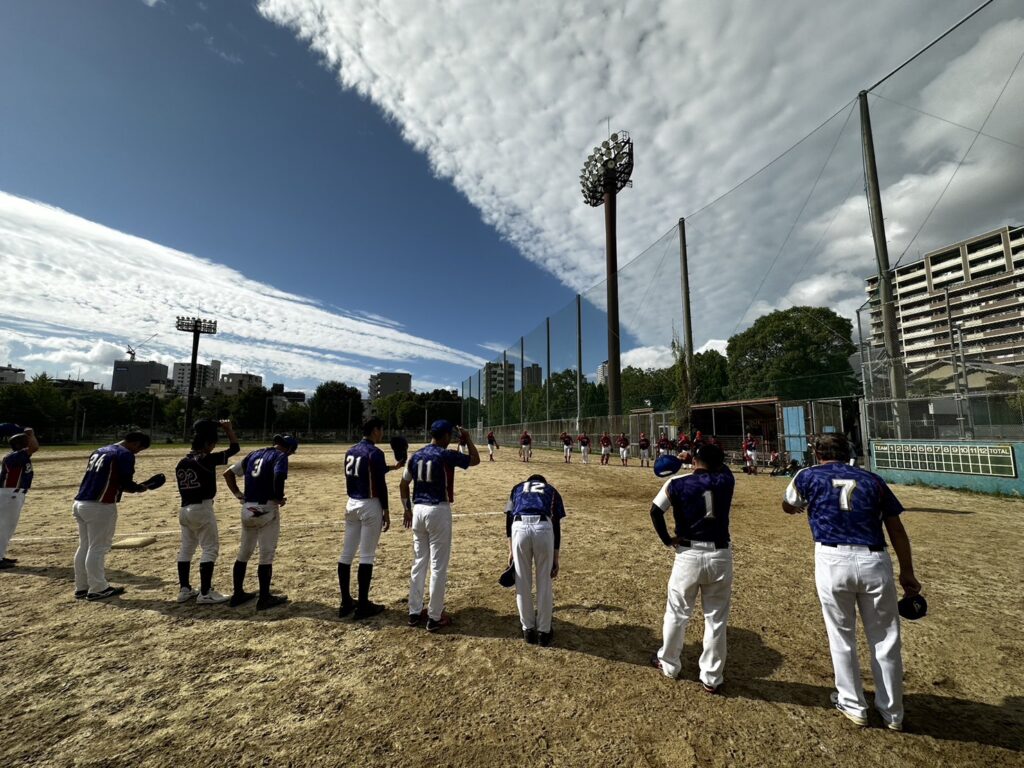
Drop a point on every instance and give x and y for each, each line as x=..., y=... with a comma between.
x=252, y=408
x=710, y=377
x=294, y=418
x=684, y=392
x=336, y=407
x=796, y=353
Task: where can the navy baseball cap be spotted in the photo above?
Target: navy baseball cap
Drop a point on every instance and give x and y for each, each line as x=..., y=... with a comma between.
x=913, y=608
x=287, y=441
x=441, y=427
x=666, y=465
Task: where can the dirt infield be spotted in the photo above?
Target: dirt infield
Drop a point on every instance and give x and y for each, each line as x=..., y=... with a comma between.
x=142, y=680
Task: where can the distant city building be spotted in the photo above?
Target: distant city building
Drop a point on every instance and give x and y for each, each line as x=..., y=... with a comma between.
x=74, y=385
x=233, y=383
x=11, y=375
x=984, y=276
x=384, y=384
x=138, y=376
x=207, y=377
x=497, y=381
x=532, y=375
x=602, y=373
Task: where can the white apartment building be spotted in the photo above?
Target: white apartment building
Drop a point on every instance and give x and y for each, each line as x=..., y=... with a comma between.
x=11, y=375
x=984, y=277
x=233, y=383
x=207, y=377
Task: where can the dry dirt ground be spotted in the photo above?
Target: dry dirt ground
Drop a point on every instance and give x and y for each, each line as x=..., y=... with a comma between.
x=142, y=680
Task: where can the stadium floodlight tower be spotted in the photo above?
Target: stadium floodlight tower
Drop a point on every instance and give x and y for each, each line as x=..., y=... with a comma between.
x=196, y=326
x=605, y=173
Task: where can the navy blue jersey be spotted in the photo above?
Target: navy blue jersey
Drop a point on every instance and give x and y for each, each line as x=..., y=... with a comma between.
x=16, y=470
x=845, y=505
x=432, y=470
x=196, y=475
x=700, y=504
x=265, y=471
x=535, y=498
x=107, y=475
x=365, y=469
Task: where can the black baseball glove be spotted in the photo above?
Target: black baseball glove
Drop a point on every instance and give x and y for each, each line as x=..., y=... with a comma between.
x=400, y=447
x=155, y=481
x=508, y=576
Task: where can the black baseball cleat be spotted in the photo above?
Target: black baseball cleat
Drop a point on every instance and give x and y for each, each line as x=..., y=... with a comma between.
x=439, y=624
x=240, y=597
x=367, y=611
x=5, y=563
x=105, y=594
x=80, y=594
x=345, y=609
x=270, y=601
x=416, y=618
x=545, y=638
x=530, y=636
x=709, y=688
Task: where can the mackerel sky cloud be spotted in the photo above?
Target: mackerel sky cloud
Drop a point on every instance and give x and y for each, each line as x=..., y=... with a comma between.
x=333, y=243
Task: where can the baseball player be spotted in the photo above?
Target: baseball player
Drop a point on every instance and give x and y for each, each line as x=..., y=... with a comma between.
x=623, y=442
x=566, y=439
x=700, y=505
x=848, y=508
x=645, y=450
x=432, y=468
x=265, y=471
x=606, y=447
x=682, y=443
x=584, y=441
x=492, y=444
x=197, y=485
x=525, y=446
x=750, y=453
x=366, y=518
x=663, y=444
x=108, y=474
x=533, y=526
x=15, y=480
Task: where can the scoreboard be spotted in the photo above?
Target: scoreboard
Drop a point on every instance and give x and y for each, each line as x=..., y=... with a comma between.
x=984, y=459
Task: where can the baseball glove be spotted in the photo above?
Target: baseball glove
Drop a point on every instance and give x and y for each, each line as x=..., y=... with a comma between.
x=155, y=481
x=400, y=447
x=508, y=577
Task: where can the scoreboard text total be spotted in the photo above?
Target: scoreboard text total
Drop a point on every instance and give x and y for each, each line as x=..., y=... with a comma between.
x=989, y=459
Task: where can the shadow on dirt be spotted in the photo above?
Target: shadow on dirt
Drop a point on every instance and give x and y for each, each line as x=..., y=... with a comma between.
x=67, y=574
x=937, y=511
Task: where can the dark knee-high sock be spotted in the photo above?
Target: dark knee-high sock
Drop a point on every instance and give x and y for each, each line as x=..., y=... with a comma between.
x=263, y=574
x=364, y=576
x=205, y=577
x=183, y=575
x=344, y=581
x=238, y=576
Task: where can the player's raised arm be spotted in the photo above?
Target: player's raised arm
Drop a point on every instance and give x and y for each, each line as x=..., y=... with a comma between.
x=474, y=454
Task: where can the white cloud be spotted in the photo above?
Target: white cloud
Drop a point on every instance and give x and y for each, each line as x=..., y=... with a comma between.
x=507, y=103
x=718, y=345
x=153, y=3
x=647, y=357
x=91, y=290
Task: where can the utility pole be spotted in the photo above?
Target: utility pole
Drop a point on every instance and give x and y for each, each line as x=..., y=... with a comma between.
x=897, y=380
x=684, y=285
x=547, y=373
x=579, y=360
x=956, y=372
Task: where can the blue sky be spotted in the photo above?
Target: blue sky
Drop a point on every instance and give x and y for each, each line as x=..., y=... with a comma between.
x=352, y=187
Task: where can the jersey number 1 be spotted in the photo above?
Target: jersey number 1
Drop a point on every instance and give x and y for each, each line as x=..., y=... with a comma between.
x=352, y=465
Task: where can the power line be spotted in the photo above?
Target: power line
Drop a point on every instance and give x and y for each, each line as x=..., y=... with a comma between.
x=951, y=122
x=964, y=156
x=933, y=42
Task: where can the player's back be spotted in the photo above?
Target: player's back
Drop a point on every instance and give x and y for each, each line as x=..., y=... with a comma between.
x=104, y=471
x=262, y=467
x=535, y=497
x=363, y=464
x=846, y=504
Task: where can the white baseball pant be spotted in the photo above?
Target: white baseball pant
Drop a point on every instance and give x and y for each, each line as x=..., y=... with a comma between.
x=198, y=529
x=849, y=578
x=490, y=449
x=704, y=569
x=364, y=519
x=261, y=530
x=623, y=453
x=606, y=450
x=431, y=545
x=533, y=547
x=11, y=502
x=645, y=454
x=567, y=451
x=96, y=524
x=585, y=451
